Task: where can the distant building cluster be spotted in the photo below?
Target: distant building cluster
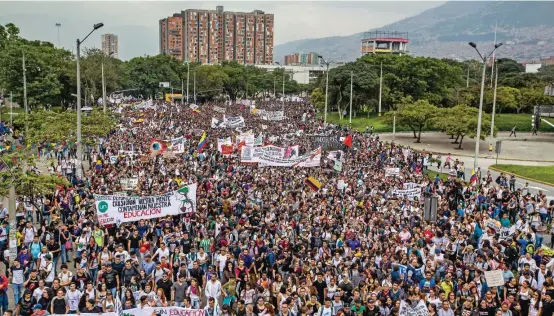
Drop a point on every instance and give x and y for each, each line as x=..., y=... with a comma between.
x=213, y=36
x=534, y=66
x=383, y=42
x=302, y=59
x=110, y=45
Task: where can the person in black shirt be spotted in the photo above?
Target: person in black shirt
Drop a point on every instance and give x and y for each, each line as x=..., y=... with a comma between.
x=111, y=278
x=25, y=306
x=91, y=307
x=165, y=284
x=548, y=304
x=134, y=241
x=320, y=286
x=55, y=249
x=186, y=243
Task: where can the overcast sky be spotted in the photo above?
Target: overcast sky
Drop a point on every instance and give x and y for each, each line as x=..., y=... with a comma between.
x=136, y=23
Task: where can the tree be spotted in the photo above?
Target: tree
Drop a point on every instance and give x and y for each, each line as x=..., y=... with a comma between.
x=47, y=127
x=27, y=183
x=507, y=99
x=532, y=97
x=546, y=73
x=415, y=115
x=461, y=121
x=318, y=98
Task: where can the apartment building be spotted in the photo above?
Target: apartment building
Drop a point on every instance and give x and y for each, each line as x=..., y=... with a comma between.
x=110, y=45
x=213, y=36
x=304, y=59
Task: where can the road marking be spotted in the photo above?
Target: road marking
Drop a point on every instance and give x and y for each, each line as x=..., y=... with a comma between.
x=531, y=187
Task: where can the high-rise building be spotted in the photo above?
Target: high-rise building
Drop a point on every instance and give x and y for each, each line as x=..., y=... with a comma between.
x=171, y=36
x=213, y=36
x=305, y=59
x=110, y=45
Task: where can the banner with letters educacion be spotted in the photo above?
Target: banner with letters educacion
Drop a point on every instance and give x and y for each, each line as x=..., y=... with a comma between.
x=273, y=156
x=113, y=209
x=148, y=311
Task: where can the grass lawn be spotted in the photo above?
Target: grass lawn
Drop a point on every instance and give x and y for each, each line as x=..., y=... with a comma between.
x=433, y=174
x=541, y=173
x=503, y=122
x=6, y=111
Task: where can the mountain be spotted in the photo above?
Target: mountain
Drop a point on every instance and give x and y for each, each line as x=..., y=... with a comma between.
x=525, y=28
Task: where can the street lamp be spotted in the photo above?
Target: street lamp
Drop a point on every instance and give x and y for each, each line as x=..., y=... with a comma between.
x=326, y=88
x=484, y=60
x=491, y=138
x=104, y=103
x=283, y=103
x=79, y=144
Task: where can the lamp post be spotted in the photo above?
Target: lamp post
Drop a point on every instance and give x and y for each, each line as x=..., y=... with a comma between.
x=104, y=103
x=351, y=84
x=79, y=145
x=188, y=72
x=58, y=25
x=283, y=94
x=380, y=87
x=491, y=138
x=326, y=88
x=484, y=60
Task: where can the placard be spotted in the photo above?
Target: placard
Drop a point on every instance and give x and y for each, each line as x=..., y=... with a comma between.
x=390, y=172
x=128, y=183
x=494, y=278
x=218, y=109
x=419, y=310
x=272, y=156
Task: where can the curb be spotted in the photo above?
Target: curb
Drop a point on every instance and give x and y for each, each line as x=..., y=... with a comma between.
x=523, y=177
x=453, y=153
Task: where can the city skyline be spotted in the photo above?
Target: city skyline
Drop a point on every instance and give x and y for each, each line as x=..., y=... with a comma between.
x=138, y=28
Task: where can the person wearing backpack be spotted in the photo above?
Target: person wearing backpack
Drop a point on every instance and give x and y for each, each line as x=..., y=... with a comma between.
x=35, y=247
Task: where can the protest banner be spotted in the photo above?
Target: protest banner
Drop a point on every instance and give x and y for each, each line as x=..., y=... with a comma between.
x=410, y=194
x=494, y=278
x=112, y=209
x=337, y=166
x=219, y=109
x=128, y=183
x=233, y=121
x=259, y=141
x=113, y=160
x=193, y=107
x=223, y=141
x=336, y=155
x=410, y=185
x=326, y=142
x=227, y=150
x=273, y=156
x=419, y=310
x=163, y=311
x=389, y=172
x=272, y=115
x=217, y=123
x=506, y=233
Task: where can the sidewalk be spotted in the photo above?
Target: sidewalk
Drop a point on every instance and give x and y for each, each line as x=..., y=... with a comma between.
x=524, y=147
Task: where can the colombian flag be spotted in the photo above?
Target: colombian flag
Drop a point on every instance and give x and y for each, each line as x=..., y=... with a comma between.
x=313, y=183
x=473, y=178
x=202, y=142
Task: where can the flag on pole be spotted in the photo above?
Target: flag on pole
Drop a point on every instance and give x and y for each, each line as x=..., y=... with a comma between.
x=473, y=178
x=313, y=183
x=202, y=142
x=118, y=307
x=348, y=141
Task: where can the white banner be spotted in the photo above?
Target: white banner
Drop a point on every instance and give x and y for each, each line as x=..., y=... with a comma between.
x=336, y=155
x=408, y=193
x=410, y=185
x=219, y=109
x=112, y=209
x=234, y=121
x=259, y=141
x=193, y=106
x=272, y=115
x=419, y=310
x=149, y=311
x=128, y=183
x=217, y=123
x=272, y=156
x=392, y=172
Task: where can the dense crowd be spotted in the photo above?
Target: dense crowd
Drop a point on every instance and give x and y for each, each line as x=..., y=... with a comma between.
x=262, y=242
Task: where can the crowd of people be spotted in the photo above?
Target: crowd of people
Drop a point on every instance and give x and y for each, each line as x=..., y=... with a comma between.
x=262, y=242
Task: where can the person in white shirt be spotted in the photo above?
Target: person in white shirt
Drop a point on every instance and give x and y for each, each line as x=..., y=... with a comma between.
x=73, y=297
x=213, y=287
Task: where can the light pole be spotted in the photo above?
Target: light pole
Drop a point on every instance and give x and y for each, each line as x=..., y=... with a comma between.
x=58, y=25
x=104, y=103
x=326, y=88
x=25, y=95
x=351, y=83
x=491, y=138
x=478, y=137
x=188, y=72
x=380, y=87
x=79, y=144
x=194, y=86
x=283, y=94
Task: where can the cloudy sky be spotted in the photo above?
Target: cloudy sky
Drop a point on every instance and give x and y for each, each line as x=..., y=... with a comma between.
x=136, y=23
